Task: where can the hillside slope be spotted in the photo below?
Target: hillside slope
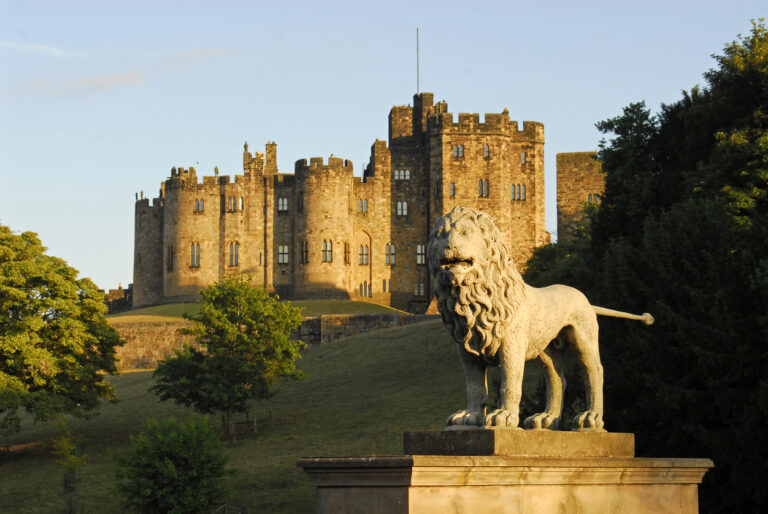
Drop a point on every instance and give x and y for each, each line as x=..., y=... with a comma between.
x=360, y=395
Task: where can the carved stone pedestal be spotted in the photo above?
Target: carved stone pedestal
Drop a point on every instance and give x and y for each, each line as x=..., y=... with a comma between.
x=509, y=471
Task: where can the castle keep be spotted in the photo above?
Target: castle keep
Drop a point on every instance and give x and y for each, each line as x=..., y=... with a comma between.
x=323, y=233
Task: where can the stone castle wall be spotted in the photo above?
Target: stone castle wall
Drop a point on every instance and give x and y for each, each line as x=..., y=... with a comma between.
x=272, y=226
x=580, y=180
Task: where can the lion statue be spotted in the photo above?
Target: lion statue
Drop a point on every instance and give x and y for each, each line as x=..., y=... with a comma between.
x=499, y=320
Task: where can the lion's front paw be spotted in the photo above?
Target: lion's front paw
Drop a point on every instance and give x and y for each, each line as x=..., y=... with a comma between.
x=589, y=420
x=465, y=417
x=502, y=418
x=541, y=421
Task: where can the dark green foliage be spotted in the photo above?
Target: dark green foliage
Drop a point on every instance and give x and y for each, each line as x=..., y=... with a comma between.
x=683, y=233
x=55, y=344
x=173, y=467
x=246, y=337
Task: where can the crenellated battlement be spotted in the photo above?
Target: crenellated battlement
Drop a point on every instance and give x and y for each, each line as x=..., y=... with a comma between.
x=318, y=165
x=494, y=123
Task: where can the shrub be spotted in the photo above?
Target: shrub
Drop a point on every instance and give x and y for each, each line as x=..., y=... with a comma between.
x=173, y=467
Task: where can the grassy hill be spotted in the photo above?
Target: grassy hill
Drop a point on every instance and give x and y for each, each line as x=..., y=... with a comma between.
x=360, y=395
x=309, y=308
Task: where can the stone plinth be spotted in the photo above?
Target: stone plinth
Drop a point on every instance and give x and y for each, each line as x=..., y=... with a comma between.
x=512, y=483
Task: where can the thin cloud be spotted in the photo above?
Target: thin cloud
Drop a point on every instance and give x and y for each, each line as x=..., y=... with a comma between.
x=51, y=51
x=186, y=58
x=73, y=88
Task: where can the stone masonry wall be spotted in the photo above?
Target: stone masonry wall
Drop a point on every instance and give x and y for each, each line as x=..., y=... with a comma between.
x=579, y=175
x=149, y=342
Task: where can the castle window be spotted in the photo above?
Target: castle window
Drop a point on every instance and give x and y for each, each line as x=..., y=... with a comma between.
x=360, y=205
x=486, y=191
x=197, y=205
x=365, y=288
x=455, y=150
x=486, y=151
x=282, y=204
x=234, y=253
x=523, y=190
x=389, y=254
x=453, y=189
x=282, y=254
x=386, y=254
x=384, y=285
x=360, y=260
x=169, y=258
x=346, y=253
x=421, y=254
x=361, y=290
x=461, y=150
x=242, y=203
x=229, y=203
x=327, y=251
x=194, y=255
x=365, y=254
x=389, y=285
x=418, y=289
x=202, y=205
x=480, y=187
x=523, y=158
x=402, y=208
x=305, y=252
x=300, y=204
x=589, y=198
x=365, y=205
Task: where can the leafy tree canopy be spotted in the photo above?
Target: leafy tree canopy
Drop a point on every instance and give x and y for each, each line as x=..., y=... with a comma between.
x=245, y=336
x=682, y=232
x=55, y=344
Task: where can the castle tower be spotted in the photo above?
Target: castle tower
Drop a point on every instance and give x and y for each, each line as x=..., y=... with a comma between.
x=324, y=228
x=148, y=252
x=580, y=180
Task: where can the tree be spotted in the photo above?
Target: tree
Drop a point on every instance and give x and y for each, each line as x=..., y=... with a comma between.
x=245, y=335
x=682, y=232
x=55, y=344
x=173, y=467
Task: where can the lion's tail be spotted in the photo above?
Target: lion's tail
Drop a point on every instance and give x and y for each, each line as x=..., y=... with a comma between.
x=644, y=317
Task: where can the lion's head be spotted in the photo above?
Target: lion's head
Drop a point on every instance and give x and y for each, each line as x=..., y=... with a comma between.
x=476, y=282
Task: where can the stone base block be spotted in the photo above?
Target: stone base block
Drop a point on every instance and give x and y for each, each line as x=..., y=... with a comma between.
x=520, y=484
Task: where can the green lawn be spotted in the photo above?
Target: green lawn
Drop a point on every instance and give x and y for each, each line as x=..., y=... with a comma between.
x=310, y=308
x=360, y=395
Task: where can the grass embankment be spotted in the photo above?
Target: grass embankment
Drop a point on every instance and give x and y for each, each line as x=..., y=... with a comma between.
x=360, y=395
x=309, y=308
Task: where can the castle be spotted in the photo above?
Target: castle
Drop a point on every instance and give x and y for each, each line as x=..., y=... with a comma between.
x=324, y=233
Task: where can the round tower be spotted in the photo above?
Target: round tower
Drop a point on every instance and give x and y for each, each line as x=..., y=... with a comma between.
x=323, y=232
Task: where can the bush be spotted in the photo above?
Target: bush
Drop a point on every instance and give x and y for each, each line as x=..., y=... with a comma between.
x=173, y=467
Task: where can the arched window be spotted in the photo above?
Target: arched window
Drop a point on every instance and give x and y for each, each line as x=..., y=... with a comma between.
x=421, y=254
x=386, y=255
x=325, y=251
x=197, y=254
x=486, y=151
x=229, y=203
x=519, y=195
x=453, y=189
x=365, y=205
x=360, y=205
x=407, y=175
x=523, y=197
x=365, y=254
x=461, y=150
x=237, y=254
x=305, y=252
x=360, y=260
x=480, y=187
x=234, y=253
x=330, y=251
x=192, y=255
x=282, y=254
x=486, y=191
x=523, y=158
x=589, y=198
x=242, y=203
x=402, y=208
x=361, y=289
x=197, y=205
x=202, y=205
x=392, y=254
x=365, y=288
x=455, y=150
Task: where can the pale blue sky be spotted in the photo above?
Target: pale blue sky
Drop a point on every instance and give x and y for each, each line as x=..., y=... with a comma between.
x=99, y=102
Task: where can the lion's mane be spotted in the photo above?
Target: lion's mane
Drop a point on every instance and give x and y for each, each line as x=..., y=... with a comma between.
x=478, y=307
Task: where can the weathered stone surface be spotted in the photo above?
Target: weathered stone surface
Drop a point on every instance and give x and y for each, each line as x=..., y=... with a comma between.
x=528, y=485
x=580, y=179
x=531, y=443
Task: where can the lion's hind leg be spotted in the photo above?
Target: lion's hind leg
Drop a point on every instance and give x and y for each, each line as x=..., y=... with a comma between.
x=552, y=361
x=584, y=344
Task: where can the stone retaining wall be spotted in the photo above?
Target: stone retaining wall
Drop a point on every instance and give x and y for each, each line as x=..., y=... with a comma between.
x=148, y=342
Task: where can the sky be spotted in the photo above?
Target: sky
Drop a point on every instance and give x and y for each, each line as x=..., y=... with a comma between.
x=99, y=99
